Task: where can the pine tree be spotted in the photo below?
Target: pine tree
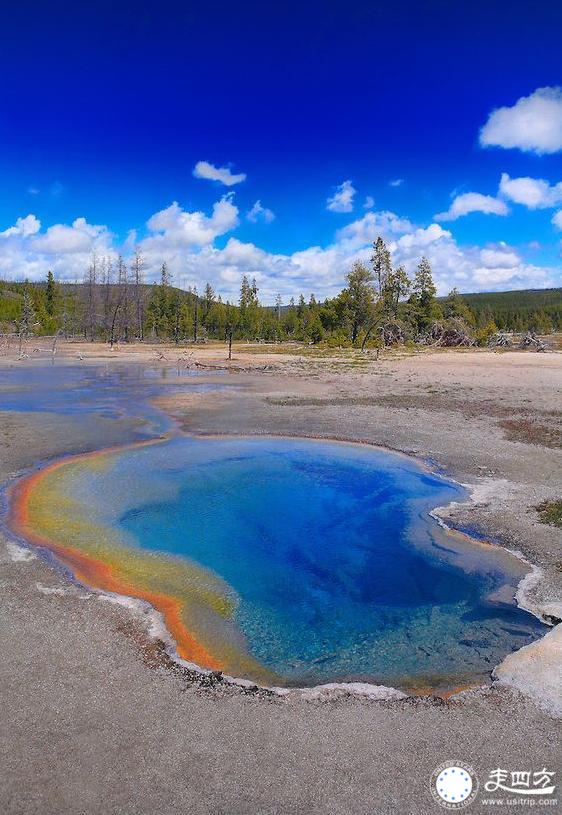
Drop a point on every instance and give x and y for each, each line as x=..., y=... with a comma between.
x=382, y=267
x=397, y=286
x=423, y=295
x=245, y=293
x=195, y=313
x=249, y=308
x=455, y=306
x=359, y=297
x=163, y=300
x=174, y=316
x=50, y=294
x=208, y=300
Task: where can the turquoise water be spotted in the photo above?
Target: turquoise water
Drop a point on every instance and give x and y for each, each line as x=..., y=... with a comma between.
x=335, y=568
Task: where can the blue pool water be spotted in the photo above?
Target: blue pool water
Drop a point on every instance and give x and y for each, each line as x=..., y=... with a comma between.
x=335, y=568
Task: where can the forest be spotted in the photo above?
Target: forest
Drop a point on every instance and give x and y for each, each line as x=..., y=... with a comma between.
x=380, y=305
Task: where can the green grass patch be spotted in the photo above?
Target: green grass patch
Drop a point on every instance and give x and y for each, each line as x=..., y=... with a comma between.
x=550, y=512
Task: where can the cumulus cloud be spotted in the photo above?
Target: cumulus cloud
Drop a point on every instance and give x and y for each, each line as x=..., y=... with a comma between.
x=342, y=199
x=26, y=252
x=534, y=193
x=533, y=124
x=23, y=226
x=396, y=182
x=369, y=202
x=322, y=269
x=61, y=239
x=365, y=229
x=187, y=241
x=472, y=202
x=469, y=268
x=179, y=228
x=421, y=238
x=260, y=213
x=204, y=169
x=501, y=257
x=557, y=219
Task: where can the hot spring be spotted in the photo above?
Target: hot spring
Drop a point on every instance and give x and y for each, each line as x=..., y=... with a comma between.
x=285, y=561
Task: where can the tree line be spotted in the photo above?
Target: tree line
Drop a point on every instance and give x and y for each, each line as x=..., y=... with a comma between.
x=380, y=304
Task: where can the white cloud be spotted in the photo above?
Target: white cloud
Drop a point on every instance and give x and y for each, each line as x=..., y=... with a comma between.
x=369, y=202
x=511, y=277
x=396, y=182
x=204, y=169
x=472, y=202
x=533, y=124
x=260, y=213
x=176, y=227
x=422, y=238
x=534, y=193
x=557, y=219
x=366, y=229
x=502, y=258
x=342, y=199
x=24, y=227
x=61, y=239
x=322, y=270
x=187, y=242
x=470, y=268
x=26, y=252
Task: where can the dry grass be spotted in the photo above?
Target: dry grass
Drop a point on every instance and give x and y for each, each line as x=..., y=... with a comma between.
x=531, y=431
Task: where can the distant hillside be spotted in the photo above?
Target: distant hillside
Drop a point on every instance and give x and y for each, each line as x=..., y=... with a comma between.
x=518, y=310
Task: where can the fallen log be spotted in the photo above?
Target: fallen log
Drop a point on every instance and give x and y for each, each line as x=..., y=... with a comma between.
x=500, y=340
x=531, y=342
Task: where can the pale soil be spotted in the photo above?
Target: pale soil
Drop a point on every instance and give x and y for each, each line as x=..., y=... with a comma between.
x=95, y=721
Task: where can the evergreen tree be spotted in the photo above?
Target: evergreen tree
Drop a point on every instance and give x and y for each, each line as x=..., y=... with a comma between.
x=396, y=286
x=163, y=302
x=195, y=314
x=381, y=264
x=50, y=295
x=174, y=316
x=208, y=300
x=423, y=296
x=359, y=297
x=455, y=306
x=248, y=324
x=291, y=320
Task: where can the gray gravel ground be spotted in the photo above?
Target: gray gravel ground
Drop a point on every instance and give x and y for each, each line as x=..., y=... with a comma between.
x=91, y=724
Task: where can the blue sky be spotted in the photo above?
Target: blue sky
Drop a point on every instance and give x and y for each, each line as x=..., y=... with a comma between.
x=108, y=108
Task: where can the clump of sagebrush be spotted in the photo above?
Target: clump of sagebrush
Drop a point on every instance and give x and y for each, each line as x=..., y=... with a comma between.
x=550, y=512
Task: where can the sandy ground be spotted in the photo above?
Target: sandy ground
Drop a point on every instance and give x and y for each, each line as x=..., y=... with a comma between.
x=94, y=720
